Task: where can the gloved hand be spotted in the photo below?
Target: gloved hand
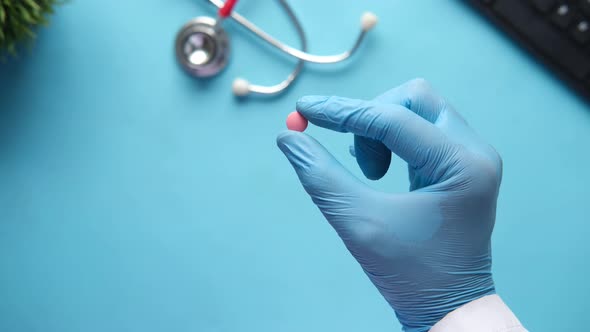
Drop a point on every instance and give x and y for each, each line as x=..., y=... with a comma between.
x=427, y=251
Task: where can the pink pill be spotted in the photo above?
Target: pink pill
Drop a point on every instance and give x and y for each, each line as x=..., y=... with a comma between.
x=296, y=121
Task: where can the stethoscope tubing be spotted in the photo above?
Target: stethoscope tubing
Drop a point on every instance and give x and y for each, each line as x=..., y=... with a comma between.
x=280, y=87
x=296, y=53
x=194, y=36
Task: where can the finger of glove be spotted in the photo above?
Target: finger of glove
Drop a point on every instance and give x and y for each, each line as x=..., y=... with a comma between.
x=418, y=96
x=408, y=135
x=372, y=156
x=337, y=193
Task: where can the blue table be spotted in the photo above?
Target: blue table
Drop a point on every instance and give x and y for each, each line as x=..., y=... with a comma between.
x=134, y=198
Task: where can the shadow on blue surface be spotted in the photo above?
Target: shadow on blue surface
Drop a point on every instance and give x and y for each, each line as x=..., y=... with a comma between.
x=11, y=117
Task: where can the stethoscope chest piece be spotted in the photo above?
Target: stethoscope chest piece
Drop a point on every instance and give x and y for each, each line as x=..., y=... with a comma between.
x=202, y=48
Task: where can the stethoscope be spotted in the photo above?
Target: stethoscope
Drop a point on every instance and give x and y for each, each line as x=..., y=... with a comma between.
x=202, y=47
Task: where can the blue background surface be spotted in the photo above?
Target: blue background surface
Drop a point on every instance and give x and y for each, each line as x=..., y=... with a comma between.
x=134, y=198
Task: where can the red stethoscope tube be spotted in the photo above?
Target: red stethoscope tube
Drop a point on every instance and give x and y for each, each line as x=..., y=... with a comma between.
x=227, y=8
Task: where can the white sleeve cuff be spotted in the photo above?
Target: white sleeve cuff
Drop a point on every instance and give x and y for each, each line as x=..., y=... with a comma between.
x=487, y=314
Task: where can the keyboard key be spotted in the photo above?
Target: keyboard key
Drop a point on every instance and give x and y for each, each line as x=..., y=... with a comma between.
x=581, y=32
x=585, y=5
x=563, y=16
x=544, y=5
x=543, y=37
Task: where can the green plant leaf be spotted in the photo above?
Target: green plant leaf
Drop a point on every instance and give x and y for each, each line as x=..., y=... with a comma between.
x=33, y=5
x=19, y=19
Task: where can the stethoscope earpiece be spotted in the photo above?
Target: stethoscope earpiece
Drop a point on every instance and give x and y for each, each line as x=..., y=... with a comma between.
x=368, y=21
x=241, y=87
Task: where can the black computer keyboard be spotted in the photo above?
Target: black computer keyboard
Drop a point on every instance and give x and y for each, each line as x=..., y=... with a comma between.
x=556, y=31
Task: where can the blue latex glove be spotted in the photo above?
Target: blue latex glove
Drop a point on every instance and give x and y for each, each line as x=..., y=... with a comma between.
x=427, y=251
